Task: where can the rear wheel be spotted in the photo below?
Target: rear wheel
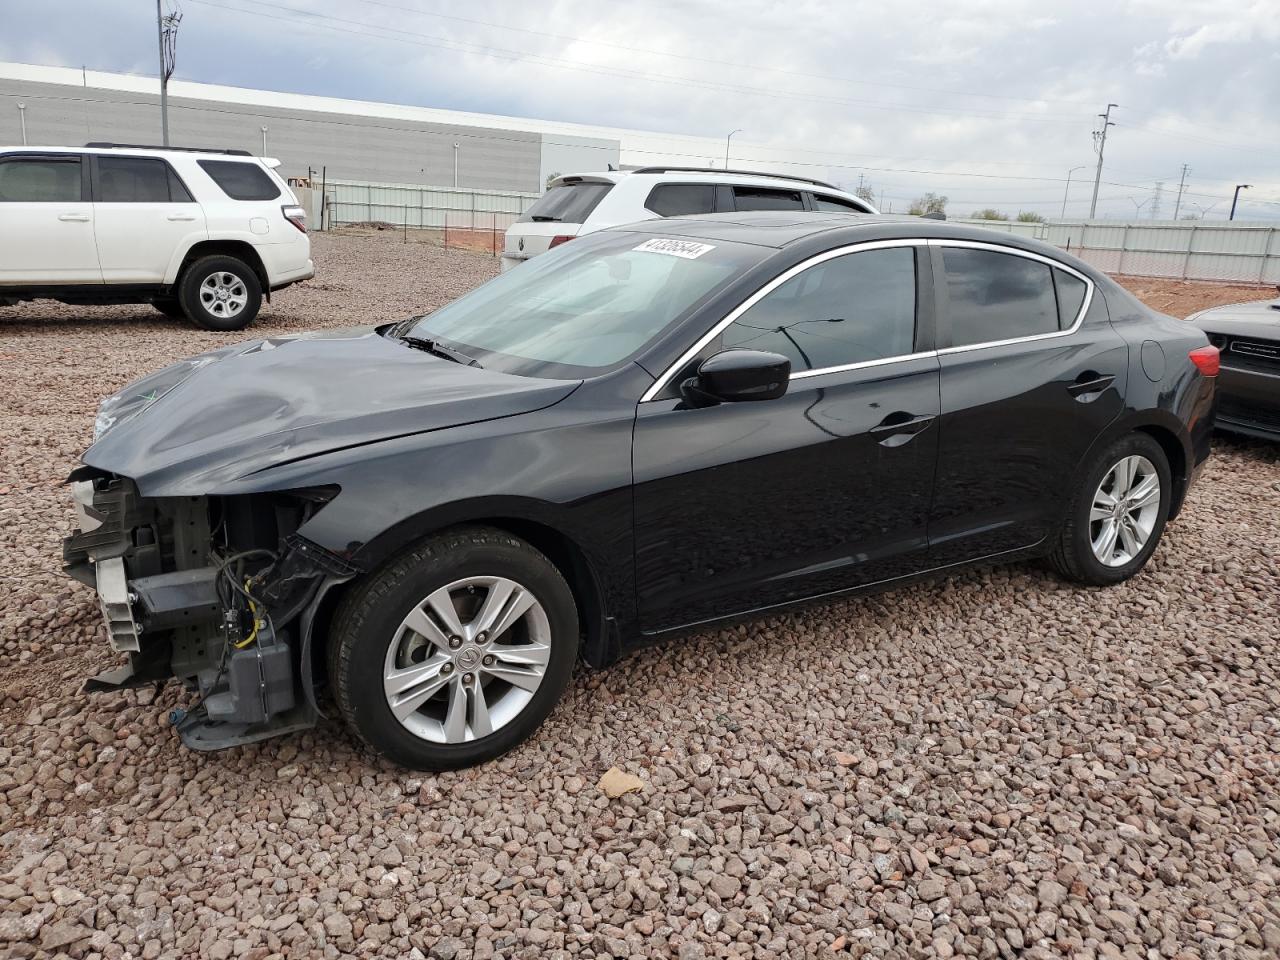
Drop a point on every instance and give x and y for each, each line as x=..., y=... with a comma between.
x=1118, y=515
x=455, y=651
x=220, y=293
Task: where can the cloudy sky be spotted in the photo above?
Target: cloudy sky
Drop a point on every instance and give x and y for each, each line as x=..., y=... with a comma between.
x=990, y=102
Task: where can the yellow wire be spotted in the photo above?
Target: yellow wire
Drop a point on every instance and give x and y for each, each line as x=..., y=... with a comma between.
x=257, y=624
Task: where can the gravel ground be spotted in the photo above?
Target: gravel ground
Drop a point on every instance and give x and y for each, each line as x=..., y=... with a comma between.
x=991, y=765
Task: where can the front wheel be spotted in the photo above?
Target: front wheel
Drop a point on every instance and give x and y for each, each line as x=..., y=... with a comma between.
x=220, y=293
x=1118, y=515
x=455, y=651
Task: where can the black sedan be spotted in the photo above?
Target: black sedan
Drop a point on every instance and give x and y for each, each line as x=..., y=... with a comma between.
x=648, y=429
x=1248, y=334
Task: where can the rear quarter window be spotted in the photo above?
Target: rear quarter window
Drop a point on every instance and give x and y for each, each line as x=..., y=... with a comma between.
x=681, y=199
x=240, y=180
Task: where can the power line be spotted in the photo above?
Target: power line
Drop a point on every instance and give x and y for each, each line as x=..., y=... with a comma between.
x=712, y=61
x=345, y=27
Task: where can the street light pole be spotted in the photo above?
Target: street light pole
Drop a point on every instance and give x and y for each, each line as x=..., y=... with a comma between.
x=455, y=164
x=726, y=147
x=1236, y=196
x=1066, y=188
x=264, y=140
x=22, y=118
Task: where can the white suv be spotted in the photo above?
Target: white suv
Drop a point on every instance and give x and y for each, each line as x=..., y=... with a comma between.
x=198, y=233
x=586, y=202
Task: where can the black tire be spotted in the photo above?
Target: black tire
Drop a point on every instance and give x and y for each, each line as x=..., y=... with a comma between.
x=1073, y=555
x=206, y=312
x=171, y=308
x=368, y=622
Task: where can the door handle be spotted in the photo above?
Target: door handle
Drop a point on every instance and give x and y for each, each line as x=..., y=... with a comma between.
x=897, y=428
x=1090, y=385
x=74, y=217
x=181, y=216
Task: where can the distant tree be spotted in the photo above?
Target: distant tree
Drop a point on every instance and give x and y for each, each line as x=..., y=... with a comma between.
x=989, y=213
x=1029, y=216
x=865, y=192
x=550, y=177
x=929, y=203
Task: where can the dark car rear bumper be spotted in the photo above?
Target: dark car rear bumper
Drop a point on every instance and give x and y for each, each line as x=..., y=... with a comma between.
x=1249, y=402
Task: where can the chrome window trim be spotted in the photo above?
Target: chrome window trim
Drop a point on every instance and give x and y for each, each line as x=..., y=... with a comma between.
x=864, y=363
x=1028, y=255
x=660, y=384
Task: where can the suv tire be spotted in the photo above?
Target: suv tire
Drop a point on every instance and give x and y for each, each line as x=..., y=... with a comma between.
x=220, y=293
x=455, y=704
x=1125, y=528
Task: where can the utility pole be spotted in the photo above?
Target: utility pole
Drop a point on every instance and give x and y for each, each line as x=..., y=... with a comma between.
x=167, y=35
x=1235, y=197
x=726, y=147
x=1181, y=183
x=456, y=146
x=1100, y=144
x=1066, y=189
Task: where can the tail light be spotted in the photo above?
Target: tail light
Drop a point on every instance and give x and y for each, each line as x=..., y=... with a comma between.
x=1206, y=359
x=295, y=215
x=556, y=241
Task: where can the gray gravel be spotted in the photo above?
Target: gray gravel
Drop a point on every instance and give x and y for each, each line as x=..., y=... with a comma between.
x=991, y=765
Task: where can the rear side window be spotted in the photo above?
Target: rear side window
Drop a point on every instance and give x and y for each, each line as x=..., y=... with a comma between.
x=764, y=198
x=567, y=203
x=850, y=309
x=138, y=180
x=239, y=180
x=681, y=199
x=40, y=180
x=997, y=296
x=835, y=204
x=1071, y=290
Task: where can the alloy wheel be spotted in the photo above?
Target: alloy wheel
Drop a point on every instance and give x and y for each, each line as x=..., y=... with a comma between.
x=223, y=294
x=1125, y=509
x=467, y=659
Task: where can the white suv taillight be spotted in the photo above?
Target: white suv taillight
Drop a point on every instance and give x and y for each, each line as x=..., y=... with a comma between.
x=295, y=215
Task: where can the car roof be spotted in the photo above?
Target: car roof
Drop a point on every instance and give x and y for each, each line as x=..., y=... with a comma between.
x=139, y=150
x=782, y=228
x=692, y=175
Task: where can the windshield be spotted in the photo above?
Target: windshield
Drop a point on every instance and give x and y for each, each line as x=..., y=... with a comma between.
x=588, y=305
x=567, y=202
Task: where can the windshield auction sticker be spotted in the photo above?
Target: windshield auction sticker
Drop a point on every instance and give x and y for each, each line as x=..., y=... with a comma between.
x=686, y=249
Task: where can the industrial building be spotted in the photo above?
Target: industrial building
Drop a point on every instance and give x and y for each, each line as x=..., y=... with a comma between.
x=353, y=140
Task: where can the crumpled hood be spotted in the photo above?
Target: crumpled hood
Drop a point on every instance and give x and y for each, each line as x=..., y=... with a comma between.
x=262, y=403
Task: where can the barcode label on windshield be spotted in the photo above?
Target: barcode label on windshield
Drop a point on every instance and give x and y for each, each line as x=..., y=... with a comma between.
x=686, y=249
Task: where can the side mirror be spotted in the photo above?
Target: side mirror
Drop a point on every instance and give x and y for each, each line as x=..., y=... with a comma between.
x=734, y=375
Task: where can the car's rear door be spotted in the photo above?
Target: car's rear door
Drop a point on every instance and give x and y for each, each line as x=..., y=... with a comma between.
x=1031, y=373
x=740, y=506
x=46, y=220
x=144, y=214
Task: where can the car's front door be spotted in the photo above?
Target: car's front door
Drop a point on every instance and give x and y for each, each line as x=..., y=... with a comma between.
x=46, y=221
x=145, y=215
x=1032, y=373
x=740, y=506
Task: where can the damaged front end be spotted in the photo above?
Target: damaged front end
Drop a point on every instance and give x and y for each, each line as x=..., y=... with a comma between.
x=219, y=592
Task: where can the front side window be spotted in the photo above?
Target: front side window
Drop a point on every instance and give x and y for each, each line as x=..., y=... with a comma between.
x=587, y=305
x=851, y=309
x=764, y=198
x=567, y=203
x=40, y=180
x=682, y=199
x=997, y=296
x=138, y=180
x=241, y=180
